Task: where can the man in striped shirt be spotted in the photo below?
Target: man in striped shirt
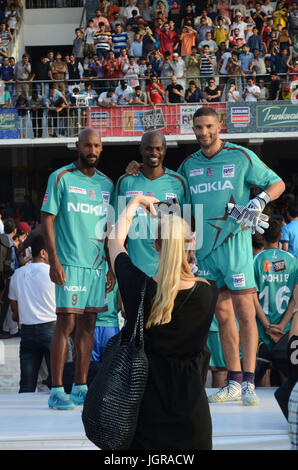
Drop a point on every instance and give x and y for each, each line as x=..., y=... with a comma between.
x=207, y=64
x=103, y=41
x=119, y=39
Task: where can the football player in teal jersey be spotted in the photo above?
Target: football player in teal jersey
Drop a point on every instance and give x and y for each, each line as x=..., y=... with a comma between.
x=276, y=275
x=221, y=173
x=153, y=180
x=74, y=215
x=219, y=176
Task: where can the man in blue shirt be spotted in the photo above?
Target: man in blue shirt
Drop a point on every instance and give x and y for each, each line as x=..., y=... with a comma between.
x=289, y=237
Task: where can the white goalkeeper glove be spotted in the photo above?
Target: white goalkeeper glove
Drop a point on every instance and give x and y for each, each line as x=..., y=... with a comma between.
x=252, y=213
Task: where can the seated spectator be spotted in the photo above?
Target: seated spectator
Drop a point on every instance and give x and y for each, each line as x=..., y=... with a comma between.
x=136, y=48
x=264, y=93
x=78, y=45
x=232, y=94
x=139, y=97
x=292, y=71
x=124, y=94
x=103, y=41
x=5, y=98
x=155, y=91
x=194, y=94
x=212, y=92
x=252, y=91
x=274, y=87
x=210, y=43
x=107, y=99
x=90, y=94
x=35, y=104
x=285, y=93
x=174, y=92
x=119, y=38
x=131, y=72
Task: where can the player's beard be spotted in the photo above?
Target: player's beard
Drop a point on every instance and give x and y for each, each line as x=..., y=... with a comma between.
x=86, y=163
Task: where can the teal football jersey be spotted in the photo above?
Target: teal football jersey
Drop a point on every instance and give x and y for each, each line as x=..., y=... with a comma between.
x=216, y=181
x=276, y=273
x=142, y=233
x=81, y=206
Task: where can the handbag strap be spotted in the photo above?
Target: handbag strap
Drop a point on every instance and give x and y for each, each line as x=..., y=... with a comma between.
x=138, y=333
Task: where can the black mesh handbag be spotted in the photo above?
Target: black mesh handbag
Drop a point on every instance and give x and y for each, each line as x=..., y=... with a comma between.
x=111, y=406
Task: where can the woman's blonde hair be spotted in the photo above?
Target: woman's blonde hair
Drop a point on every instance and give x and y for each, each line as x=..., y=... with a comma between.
x=173, y=235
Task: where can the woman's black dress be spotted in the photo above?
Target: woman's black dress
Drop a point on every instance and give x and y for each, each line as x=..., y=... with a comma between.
x=174, y=413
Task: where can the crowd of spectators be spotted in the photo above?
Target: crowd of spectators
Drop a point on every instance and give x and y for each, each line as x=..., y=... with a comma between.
x=153, y=52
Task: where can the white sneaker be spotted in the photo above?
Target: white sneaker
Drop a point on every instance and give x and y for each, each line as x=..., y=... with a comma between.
x=249, y=396
x=231, y=392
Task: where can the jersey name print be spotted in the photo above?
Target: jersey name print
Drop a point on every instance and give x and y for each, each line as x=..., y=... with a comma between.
x=81, y=205
x=140, y=244
x=216, y=181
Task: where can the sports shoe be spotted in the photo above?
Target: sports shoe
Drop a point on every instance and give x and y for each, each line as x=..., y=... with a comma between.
x=59, y=400
x=249, y=396
x=78, y=393
x=231, y=392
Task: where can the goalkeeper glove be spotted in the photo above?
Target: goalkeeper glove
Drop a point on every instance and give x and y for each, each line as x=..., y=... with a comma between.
x=252, y=213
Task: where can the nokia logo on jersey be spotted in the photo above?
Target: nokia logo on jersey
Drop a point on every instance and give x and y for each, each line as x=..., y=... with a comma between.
x=208, y=187
x=75, y=288
x=86, y=208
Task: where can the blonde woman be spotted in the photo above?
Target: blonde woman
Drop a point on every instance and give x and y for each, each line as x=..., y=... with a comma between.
x=178, y=310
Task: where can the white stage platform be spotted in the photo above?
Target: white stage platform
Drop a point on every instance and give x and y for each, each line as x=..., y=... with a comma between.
x=26, y=423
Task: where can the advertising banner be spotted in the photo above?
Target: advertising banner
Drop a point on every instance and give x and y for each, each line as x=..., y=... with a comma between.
x=135, y=120
x=9, y=124
x=262, y=116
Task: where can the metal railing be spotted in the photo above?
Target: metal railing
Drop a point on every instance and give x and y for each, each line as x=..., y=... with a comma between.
x=33, y=4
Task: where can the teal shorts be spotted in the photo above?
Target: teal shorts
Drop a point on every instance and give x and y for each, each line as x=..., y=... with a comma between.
x=83, y=291
x=217, y=358
x=231, y=265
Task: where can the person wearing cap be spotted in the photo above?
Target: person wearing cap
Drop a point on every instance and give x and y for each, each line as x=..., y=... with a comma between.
x=286, y=93
x=239, y=23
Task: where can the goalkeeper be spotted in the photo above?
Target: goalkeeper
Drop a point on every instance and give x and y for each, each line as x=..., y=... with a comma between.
x=220, y=176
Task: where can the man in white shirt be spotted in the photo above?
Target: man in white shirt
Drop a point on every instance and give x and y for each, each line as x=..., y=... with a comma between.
x=107, y=99
x=32, y=301
x=124, y=94
x=240, y=24
x=252, y=91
